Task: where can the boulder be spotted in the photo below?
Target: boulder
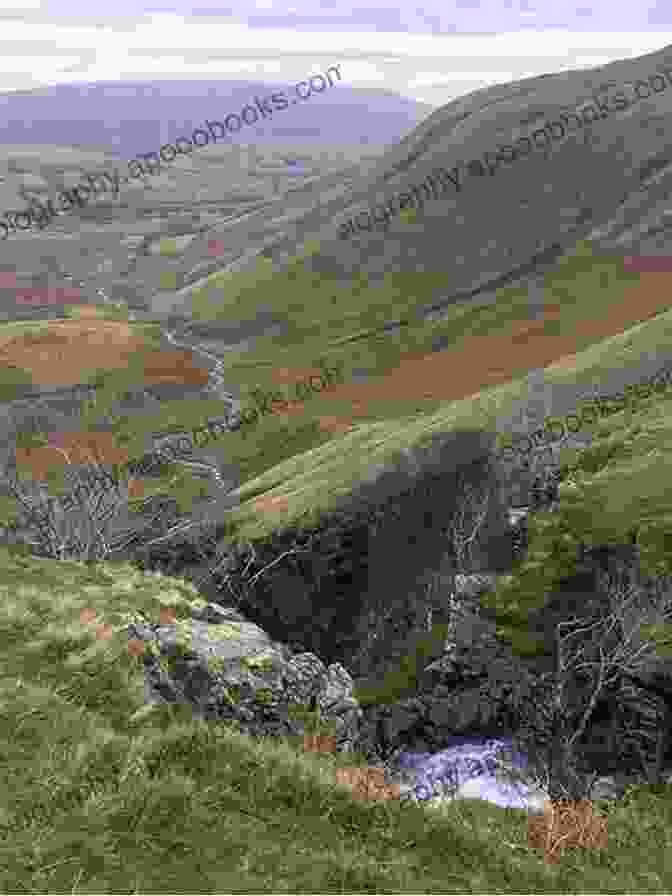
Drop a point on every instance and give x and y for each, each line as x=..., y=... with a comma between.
x=227, y=668
x=471, y=586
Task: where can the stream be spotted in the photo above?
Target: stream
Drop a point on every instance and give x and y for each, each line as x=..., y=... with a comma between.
x=216, y=384
x=486, y=768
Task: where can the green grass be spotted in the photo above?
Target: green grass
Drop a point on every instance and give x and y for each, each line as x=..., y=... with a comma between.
x=611, y=490
x=15, y=328
x=294, y=457
x=313, y=481
x=116, y=311
x=622, y=470
x=168, y=248
x=343, y=321
x=250, y=452
x=97, y=797
x=10, y=378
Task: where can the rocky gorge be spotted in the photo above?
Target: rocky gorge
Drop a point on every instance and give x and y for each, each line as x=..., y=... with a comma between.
x=374, y=622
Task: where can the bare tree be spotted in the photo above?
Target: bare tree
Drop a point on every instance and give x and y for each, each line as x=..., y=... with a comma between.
x=83, y=531
x=467, y=523
x=219, y=562
x=465, y=527
x=593, y=657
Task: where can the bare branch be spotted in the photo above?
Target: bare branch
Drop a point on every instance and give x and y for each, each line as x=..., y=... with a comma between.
x=468, y=520
x=592, y=658
x=82, y=531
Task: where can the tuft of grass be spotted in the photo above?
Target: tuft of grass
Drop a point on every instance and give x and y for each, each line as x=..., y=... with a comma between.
x=10, y=378
x=168, y=248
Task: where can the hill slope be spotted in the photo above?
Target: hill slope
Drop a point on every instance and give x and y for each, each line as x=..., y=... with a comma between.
x=510, y=220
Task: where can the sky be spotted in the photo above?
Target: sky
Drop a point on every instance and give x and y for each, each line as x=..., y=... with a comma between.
x=432, y=53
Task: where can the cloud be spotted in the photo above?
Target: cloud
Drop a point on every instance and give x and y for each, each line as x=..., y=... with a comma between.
x=424, y=54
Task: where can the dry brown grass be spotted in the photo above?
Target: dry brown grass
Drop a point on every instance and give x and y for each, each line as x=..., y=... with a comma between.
x=288, y=376
x=566, y=824
x=173, y=367
x=60, y=355
x=271, y=503
x=86, y=311
x=71, y=448
x=486, y=361
x=368, y=783
x=63, y=353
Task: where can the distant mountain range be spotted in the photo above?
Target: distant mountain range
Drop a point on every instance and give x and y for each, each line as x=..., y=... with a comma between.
x=133, y=117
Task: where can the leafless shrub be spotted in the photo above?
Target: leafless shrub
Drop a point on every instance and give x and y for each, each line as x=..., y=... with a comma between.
x=594, y=657
x=79, y=524
x=220, y=563
x=467, y=523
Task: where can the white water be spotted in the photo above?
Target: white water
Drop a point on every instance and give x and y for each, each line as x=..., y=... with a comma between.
x=474, y=768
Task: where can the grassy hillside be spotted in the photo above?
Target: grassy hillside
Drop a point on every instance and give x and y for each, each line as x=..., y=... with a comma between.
x=304, y=461
x=583, y=290
x=594, y=322
x=344, y=320
x=97, y=801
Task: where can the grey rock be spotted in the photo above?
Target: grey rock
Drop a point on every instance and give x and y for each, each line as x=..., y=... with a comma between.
x=462, y=713
x=335, y=700
x=474, y=584
x=606, y=788
x=303, y=678
x=401, y=717
x=228, y=669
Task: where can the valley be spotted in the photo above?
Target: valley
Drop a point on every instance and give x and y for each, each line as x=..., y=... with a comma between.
x=373, y=571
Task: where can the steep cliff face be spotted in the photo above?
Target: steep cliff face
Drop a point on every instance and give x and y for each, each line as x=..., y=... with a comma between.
x=358, y=586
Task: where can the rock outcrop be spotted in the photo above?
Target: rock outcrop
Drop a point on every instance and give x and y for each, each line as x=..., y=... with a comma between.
x=228, y=669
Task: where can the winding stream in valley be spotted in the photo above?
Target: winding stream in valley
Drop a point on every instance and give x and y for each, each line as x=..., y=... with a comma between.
x=216, y=384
